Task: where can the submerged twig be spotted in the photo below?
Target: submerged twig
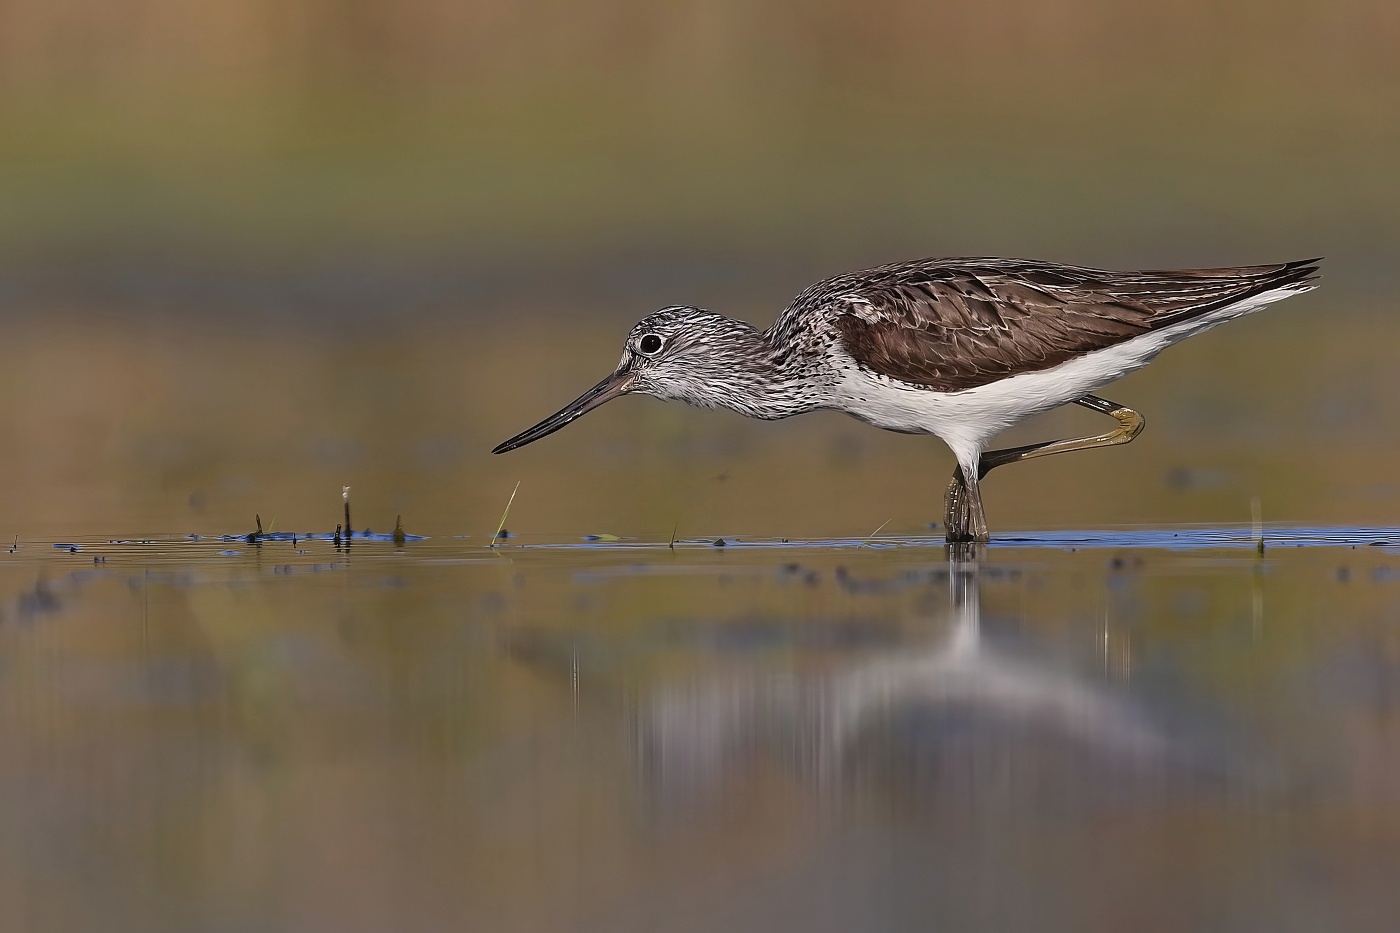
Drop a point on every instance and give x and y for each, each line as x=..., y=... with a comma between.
x=878, y=530
x=1257, y=513
x=501, y=527
x=399, y=536
x=345, y=495
x=674, y=528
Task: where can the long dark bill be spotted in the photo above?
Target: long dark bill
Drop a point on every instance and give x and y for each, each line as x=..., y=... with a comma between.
x=605, y=391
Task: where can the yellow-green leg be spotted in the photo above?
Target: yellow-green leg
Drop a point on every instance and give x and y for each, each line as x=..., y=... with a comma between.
x=963, y=513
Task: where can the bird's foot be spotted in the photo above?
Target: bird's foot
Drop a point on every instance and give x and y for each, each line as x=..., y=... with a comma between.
x=963, y=518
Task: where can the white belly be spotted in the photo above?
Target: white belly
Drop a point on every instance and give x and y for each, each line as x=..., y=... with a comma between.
x=966, y=420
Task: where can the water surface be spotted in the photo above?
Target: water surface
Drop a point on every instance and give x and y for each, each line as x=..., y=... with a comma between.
x=1063, y=732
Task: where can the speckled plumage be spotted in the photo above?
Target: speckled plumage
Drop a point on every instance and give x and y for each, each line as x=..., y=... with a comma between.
x=953, y=324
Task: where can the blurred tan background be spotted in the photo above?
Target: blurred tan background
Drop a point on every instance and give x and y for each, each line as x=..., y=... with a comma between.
x=251, y=251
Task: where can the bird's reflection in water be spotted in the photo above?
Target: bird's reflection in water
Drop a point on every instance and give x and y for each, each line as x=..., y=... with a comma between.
x=961, y=725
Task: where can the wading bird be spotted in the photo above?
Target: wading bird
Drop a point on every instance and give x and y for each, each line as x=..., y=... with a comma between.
x=960, y=348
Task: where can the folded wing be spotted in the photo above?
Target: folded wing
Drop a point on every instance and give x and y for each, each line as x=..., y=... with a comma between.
x=956, y=324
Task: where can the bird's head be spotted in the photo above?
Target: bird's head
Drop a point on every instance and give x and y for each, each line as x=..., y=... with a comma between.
x=680, y=353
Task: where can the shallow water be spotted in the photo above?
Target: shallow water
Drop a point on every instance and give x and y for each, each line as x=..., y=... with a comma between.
x=1155, y=729
x=720, y=674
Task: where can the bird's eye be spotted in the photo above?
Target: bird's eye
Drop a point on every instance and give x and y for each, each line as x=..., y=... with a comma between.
x=650, y=343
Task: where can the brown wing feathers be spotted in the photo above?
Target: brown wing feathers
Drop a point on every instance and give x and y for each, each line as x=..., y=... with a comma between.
x=954, y=325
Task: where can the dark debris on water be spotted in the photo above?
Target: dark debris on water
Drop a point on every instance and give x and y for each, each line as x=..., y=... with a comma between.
x=292, y=537
x=337, y=537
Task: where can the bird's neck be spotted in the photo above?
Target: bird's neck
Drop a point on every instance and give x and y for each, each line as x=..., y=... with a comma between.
x=766, y=380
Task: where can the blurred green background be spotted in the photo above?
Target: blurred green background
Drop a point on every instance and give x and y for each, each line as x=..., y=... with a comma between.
x=251, y=251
